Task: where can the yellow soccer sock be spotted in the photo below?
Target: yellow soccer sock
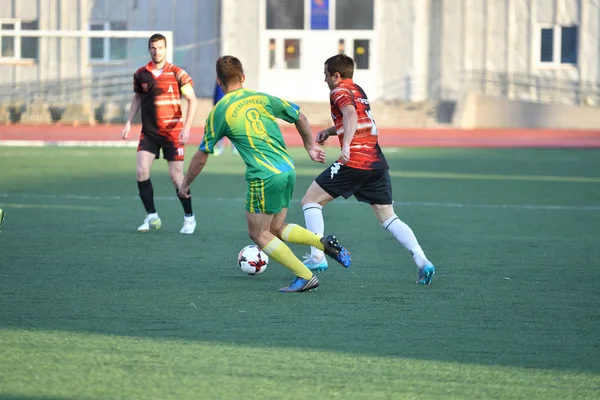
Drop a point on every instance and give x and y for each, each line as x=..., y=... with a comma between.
x=280, y=252
x=296, y=234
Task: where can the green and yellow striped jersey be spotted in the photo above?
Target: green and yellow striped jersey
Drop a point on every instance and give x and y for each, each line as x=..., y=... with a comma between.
x=248, y=119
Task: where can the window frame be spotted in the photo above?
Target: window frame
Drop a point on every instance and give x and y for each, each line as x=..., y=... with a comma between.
x=18, y=49
x=106, y=42
x=556, y=46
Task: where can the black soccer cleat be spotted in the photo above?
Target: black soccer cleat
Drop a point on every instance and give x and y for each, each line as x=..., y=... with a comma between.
x=333, y=249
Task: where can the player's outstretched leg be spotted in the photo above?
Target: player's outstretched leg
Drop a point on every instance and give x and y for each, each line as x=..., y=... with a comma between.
x=301, y=285
x=426, y=274
x=333, y=249
x=296, y=234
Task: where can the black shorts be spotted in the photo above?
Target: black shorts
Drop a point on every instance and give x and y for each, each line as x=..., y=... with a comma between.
x=172, y=150
x=368, y=186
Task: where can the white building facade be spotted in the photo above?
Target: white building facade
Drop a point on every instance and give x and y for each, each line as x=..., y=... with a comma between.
x=408, y=50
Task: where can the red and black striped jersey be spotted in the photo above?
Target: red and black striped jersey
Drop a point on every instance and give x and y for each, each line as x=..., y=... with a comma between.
x=161, y=99
x=365, y=152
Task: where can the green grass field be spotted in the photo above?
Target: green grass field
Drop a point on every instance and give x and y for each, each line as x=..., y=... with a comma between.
x=90, y=309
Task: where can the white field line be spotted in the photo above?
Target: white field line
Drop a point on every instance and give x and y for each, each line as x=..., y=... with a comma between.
x=337, y=201
x=68, y=143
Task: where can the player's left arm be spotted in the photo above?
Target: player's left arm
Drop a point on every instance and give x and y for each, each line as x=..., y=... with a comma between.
x=190, y=96
x=196, y=165
x=350, y=121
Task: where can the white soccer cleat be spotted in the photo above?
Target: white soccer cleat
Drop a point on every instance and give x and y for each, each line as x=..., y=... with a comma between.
x=149, y=223
x=189, y=225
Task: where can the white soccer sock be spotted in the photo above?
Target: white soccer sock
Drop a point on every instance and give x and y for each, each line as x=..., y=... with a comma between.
x=153, y=215
x=406, y=237
x=313, y=216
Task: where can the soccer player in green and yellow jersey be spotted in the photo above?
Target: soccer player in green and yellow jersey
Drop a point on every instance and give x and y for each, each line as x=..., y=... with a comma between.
x=248, y=119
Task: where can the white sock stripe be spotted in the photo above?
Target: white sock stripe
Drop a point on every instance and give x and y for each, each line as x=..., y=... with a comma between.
x=286, y=232
x=390, y=222
x=271, y=246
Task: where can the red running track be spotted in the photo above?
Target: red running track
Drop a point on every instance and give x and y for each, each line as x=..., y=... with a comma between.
x=444, y=137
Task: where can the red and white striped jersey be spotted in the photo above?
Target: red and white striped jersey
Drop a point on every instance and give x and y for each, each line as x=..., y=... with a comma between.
x=161, y=99
x=365, y=152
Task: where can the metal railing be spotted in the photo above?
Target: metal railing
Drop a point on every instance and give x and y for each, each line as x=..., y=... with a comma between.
x=100, y=88
x=533, y=88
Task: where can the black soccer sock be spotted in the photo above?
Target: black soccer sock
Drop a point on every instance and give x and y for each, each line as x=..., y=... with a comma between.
x=186, y=203
x=147, y=196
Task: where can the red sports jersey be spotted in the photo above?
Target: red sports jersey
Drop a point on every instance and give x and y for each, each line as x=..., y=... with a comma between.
x=365, y=152
x=161, y=100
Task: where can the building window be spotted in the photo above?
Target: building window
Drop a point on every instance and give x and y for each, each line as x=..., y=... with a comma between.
x=568, y=45
x=341, y=46
x=547, y=45
x=558, y=45
x=292, y=53
x=272, y=53
x=354, y=14
x=285, y=14
x=19, y=47
x=320, y=14
x=108, y=48
x=361, y=53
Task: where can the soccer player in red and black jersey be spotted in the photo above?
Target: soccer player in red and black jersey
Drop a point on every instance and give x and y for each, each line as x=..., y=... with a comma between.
x=361, y=170
x=158, y=87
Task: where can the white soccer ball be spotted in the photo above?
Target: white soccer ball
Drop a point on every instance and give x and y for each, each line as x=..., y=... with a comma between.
x=252, y=260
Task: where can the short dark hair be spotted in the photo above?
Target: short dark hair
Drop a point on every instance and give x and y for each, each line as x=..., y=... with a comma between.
x=341, y=64
x=229, y=70
x=156, y=38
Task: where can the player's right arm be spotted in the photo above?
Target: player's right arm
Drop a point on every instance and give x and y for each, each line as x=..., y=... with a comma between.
x=350, y=121
x=316, y=153
x=136, y=103
x=196, y=165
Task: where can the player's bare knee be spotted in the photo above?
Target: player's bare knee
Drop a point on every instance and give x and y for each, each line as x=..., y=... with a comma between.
x=309, y=199
x=383, y=211
x=306, y=199
x=142, y=173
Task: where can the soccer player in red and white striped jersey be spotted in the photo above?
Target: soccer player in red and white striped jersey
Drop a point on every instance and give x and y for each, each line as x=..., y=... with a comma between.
x=158, y=87
x=361, y=169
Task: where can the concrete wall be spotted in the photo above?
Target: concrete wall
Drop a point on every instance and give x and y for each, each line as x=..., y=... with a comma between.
x=481, y=111
x=240, y=29
x=503, y=36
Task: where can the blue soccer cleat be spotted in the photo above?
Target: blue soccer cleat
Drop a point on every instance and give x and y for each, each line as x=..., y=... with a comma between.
x=301, y=285
x=314, y=265
x=334, y=250
x=426, y=274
